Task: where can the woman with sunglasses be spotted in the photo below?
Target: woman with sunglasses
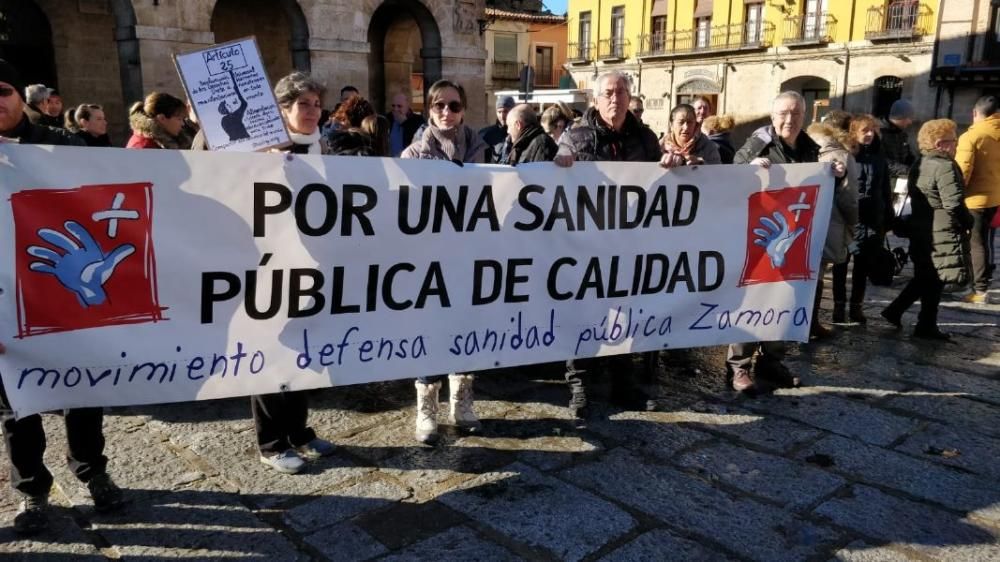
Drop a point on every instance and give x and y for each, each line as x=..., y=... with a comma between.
x=446, y=137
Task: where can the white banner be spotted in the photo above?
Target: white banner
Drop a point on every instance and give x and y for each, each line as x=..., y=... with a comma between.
x=137, y=277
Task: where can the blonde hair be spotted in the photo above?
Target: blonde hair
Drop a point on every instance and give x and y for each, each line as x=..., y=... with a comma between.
x=718, y=124
x=860, y=121
x=933, y=131
x=843, y=137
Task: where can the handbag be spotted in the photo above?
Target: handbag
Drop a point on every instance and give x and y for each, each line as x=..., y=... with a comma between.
x=882, y=263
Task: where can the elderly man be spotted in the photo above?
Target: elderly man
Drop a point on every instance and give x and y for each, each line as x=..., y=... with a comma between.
x=25, y=437
x=529, y=143
x=496, y=135
x=37, y=98
x=702, y=109
x=403, y=123
x=781, y=142
x=978, y=156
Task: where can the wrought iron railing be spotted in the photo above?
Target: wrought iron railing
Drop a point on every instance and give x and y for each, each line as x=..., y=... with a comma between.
x=580, y=52
x=748, y=35
x=613, y=49
x=907, y=19
x=506, y=70
x=805, y=29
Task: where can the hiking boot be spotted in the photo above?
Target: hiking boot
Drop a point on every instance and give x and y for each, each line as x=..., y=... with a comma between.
x=975, y=297
x=839, y=312
x=106, y=494
x=930, y=333
x=742, y=380
x=32, y=517
x=818, y=331
x=893, y=317
x=777, y=373
x=857, y=314
x=460, y=399
x=287, y=462
x=315, y=449
x=427, y=408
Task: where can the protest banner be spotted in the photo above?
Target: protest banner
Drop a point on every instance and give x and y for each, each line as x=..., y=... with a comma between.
x=232, y=97
x=137, y=277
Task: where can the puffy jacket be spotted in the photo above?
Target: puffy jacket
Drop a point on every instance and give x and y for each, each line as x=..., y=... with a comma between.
x=147, y=133
x=940, y=218
x=594, y=140
x=844, y=214
x=896, y=149
x=724, y=143
x=978, y=157
x=874, y=192
x=535, y=145
x=765, y=143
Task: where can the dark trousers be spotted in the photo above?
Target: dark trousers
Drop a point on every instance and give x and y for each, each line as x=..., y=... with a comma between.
x=25, y=440
x=859, y=281
x=281, y=421
x=980, y=247
x=740, y=355
x=925, y=286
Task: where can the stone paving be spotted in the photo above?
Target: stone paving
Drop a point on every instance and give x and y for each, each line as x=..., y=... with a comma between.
x=890, y=452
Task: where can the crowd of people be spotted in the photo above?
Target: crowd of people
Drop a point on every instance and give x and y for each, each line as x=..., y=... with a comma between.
x=952, y=185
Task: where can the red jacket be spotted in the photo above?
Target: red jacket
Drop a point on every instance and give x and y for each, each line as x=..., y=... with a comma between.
x=139, y=141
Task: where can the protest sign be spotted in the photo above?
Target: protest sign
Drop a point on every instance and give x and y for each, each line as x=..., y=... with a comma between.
x=231, y=97
x=136, y=277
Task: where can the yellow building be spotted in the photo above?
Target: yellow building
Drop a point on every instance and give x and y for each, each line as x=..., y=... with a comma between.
x=856, y=55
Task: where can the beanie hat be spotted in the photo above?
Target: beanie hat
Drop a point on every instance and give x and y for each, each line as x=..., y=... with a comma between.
x=10, y=75
x=505, y=102
x=901, y=109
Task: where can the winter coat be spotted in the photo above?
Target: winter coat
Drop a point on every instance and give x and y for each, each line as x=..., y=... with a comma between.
x=978, y=157
x=875, y=211
x=593, y=140
x=844, y=214
x=103, y=141
x=896, y=149
x=411, y=125
x=724, y=143
x=147, y=133
x=940, y=218
x=29, y=133
x=468, y=148
x=703, y=148
x=535, y=145
x=495, y=137
x=765, y=143
x=36, y=117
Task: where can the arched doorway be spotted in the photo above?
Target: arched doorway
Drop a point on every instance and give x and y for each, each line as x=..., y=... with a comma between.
x=815, y=90
x=405, y=52
x=699, y=87
x=888, y=89
x=26, y=41
x=280, y=28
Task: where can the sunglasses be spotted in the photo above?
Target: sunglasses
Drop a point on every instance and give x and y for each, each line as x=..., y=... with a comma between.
x=453, y=106
x=6, y=91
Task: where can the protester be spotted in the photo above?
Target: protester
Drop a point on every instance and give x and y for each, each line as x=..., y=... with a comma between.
x=284, y=438
x=556, y=119
x=938, y=228
x=702, y=108
x=607, y=132
x=719, y=130
x=895, y=141
x=69, y=121
x=781, y=142
x=25, y=437
x=684, y=144
x=55, y=104
x=836, y=145
x=446, y=138
x=495, y=135
x=529, y=143
x=351, y=142
x=377, y=129
x=158, y=122
x=93, y=125
x=637, y=108
x=352, y=111
x=874, y=216
x=37, y=110
x=978, y=157
x=404, y=123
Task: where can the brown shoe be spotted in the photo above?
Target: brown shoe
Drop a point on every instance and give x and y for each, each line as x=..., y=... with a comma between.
x=742, y=381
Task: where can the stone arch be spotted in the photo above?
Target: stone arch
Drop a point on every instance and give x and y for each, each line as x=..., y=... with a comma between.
x=277, y=25
x=697, y=86
x=401, y=19
x=26, y=41
x=814, y=89
x=886, y=90
x=129, y=62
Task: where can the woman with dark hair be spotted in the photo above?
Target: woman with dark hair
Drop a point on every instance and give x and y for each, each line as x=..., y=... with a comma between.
x=377, y=128
x=158, y=122
x=684, y=144
x=92, y=125
x=446, y=138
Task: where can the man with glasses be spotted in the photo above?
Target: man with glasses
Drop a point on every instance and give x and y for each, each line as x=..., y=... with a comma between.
x=403, y=124
x=636, y=107
x=25, y=437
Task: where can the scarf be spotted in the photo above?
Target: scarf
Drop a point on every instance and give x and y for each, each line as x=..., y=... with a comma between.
x=451, y=141
x=684, y=149
x=312, y=141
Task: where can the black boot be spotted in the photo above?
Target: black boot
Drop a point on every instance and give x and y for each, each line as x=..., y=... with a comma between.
x=839, y=315
x=857, y=314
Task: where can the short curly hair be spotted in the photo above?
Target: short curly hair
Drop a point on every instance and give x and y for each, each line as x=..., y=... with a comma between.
x=353, y=111
x=933, y=131
x=718, y=124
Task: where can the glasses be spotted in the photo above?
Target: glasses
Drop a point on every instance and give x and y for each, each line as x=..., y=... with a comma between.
x=637, y=110
x=453, y=106
x=6, y=91
x=787, y=114
x=619, y=92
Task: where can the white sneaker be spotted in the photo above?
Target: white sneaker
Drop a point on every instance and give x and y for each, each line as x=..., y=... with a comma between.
x=287, y=462
x=427, y=407
x=460, y=400
x=315, y=449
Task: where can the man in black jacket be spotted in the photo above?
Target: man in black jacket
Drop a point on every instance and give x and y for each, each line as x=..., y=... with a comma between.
x=37, y=108
x=895, y=140
x=25, y=437
x=529, y=143
x=403, y=123
x=496, y=135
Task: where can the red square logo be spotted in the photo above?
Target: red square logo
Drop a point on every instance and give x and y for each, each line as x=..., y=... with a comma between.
x=84, y=257
x=779, y=235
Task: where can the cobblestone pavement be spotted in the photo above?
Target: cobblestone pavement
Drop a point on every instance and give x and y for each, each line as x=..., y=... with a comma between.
x=889, y=453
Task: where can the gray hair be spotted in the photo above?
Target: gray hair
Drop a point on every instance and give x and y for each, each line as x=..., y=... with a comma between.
x=617, y=76
x=791, y=95
x=289, y=88
x=37, y=93
x=525, y=114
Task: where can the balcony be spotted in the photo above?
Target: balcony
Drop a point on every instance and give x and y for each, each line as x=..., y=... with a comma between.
x=577, y=53
x=506, y=71
x=899, y=21
x=613, y=49
x=809, y=29
x=735, y=37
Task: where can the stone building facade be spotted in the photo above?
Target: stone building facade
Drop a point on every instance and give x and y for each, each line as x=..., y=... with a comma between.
x=112, y=52
x=967, y=62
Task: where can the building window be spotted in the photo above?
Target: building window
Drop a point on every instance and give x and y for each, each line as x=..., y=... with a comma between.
x=658, y=26
x=543, y=66
x=814, y=19
x=505, y=47
x=618, y=31
x=703, y=30
x=584, y=38
x=753, y=18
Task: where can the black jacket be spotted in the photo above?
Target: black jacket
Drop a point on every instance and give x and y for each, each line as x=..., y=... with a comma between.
x=38, y=118
x=592, y=139
x=875, y=211
x=765, y=143
x=495, y=137
x=29, y=133
x=90, y=140
x=411, y=125
x=725, y=145
x=896, y=149
x=535, y=145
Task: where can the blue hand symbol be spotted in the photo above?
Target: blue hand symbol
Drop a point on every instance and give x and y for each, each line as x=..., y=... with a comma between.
x=83, y=270
x=776, y=240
